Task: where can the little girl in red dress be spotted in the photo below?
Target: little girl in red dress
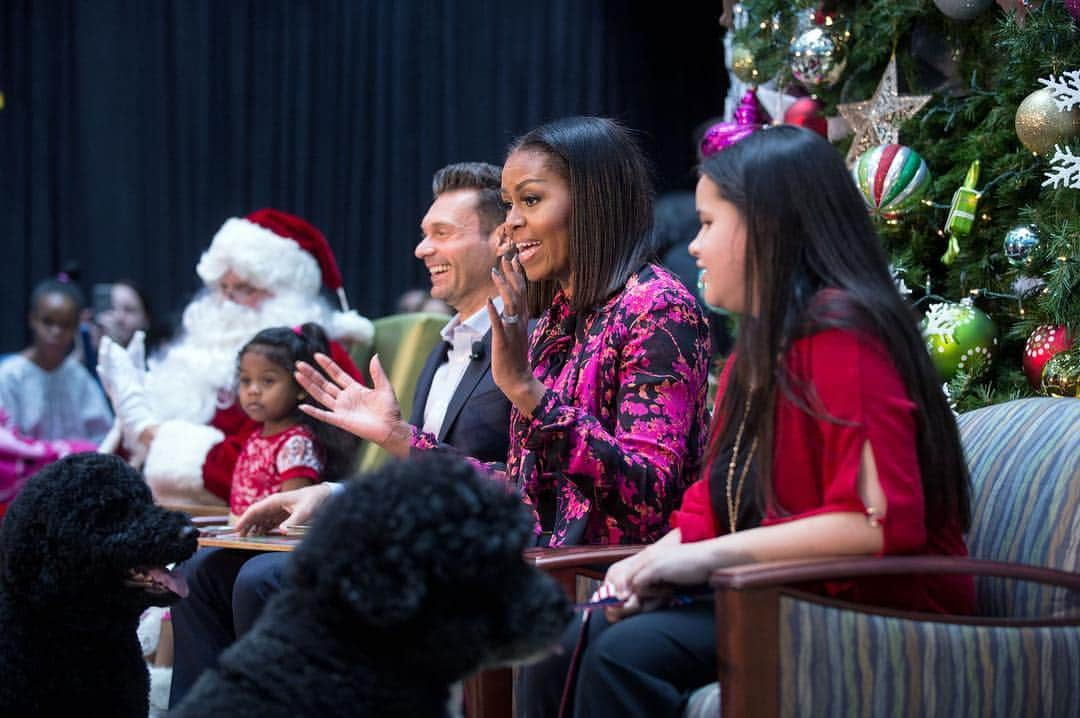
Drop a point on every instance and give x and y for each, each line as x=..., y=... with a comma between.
x=289, y=450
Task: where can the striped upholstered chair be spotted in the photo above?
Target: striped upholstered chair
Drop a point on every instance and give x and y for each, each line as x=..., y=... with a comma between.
x=783, y=652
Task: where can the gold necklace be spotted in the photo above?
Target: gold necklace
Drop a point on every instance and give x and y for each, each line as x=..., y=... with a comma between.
x=733, y=501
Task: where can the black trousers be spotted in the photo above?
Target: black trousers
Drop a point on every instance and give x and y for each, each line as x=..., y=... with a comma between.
x=646, y=665
x=227, y=590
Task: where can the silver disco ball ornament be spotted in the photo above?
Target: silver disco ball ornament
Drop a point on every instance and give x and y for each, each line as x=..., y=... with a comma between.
x=817, y=58
x=1019, y=243
x=962, y=9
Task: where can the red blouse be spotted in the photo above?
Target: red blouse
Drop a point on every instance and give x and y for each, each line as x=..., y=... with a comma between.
x=816, y=463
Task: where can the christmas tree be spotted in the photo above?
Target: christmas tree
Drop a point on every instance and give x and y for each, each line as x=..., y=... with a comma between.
x=966, y=144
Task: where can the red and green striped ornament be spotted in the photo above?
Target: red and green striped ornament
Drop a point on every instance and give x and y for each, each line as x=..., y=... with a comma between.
x=892, y=179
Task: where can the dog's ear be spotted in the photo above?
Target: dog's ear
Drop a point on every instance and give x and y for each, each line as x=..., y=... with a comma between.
x=361, y=559
x=385, y=594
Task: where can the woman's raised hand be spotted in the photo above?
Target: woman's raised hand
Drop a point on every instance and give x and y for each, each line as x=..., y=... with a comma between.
x=372, y=414
x=510, y=336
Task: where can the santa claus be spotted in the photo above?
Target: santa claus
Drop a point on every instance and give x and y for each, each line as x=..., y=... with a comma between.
x=260, y=271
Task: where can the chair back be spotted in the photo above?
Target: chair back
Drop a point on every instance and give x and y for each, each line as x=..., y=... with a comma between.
x=1024, y=458
x=403, y=342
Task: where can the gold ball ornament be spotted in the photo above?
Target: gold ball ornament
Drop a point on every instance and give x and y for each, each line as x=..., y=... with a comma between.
x=1040, y=124
x=1061, y=375
x=742, y=63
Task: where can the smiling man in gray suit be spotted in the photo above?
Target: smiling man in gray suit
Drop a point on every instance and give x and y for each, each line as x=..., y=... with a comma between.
x=456, y=400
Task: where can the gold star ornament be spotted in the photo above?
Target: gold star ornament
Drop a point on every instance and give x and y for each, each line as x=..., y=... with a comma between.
x=877, y=121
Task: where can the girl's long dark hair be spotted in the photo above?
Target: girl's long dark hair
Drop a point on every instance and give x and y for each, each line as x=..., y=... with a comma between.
x=611, y=201
x=807, y=230
x=285, y=347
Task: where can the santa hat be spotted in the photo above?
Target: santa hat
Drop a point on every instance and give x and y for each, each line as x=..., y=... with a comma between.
x=279, y=252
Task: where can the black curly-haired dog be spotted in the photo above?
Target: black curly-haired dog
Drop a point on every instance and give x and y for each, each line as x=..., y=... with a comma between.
x=82, y=554
x=409, y=580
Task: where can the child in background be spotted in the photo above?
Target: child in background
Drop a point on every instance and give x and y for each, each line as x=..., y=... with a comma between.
x=290, y=450
x=44, y=390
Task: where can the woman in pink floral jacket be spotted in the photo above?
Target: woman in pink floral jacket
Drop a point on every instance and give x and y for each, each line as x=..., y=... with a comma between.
x=615, y=436
x=608, y=395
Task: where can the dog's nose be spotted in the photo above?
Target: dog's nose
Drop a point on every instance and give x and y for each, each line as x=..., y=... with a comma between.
x=189, y=532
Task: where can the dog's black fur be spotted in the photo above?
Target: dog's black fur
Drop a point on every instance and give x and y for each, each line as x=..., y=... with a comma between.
x=410, y=580
x=69, y=605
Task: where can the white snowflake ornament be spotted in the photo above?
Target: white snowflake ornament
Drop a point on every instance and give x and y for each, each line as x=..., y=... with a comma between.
x=1064, y=170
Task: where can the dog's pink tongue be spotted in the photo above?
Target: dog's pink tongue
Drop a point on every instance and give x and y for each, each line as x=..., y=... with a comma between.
x=173, y=581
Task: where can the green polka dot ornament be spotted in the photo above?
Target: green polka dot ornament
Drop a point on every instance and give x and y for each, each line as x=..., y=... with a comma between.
x=960, y=338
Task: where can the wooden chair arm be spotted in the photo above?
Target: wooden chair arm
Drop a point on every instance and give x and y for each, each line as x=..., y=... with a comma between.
x=565, y=565
x=551, y=559
x=779, y=573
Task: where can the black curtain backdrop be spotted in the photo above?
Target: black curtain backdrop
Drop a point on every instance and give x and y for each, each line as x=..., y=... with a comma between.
x=133, y=128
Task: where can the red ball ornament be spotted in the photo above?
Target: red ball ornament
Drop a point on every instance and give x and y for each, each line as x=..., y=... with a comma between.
x=806, y=112
x=1044, y=342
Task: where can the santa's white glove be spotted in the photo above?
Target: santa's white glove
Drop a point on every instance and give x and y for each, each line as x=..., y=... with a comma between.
x=136, y=351
x=123, y=375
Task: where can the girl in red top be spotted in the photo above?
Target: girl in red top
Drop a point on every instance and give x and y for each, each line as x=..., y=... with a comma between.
x=832, y=437
x=288, y=450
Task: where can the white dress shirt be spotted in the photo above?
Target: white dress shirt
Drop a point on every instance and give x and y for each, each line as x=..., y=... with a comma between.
x=460, y=335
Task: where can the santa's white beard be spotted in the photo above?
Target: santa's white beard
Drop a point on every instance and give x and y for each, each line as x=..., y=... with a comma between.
x=196, y=374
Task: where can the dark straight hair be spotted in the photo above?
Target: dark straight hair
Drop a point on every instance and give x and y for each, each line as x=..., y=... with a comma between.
x=807, y=230
x=611, y=198
x=285, y=346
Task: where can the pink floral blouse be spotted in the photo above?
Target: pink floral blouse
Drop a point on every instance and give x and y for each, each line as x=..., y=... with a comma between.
x=606, y=455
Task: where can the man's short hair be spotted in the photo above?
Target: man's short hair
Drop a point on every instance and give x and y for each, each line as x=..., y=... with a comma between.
x=485, y=178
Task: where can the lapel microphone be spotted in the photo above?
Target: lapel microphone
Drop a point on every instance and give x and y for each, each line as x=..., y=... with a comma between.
x=477, y=353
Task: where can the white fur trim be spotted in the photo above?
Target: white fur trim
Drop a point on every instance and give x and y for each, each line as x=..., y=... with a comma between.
x=265, y=259
x=175, y=461
x=351, y=327
x=149, y=630
x=160, y=686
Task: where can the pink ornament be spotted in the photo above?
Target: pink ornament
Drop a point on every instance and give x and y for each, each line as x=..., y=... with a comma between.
x=1044, y=342
x=1073, y=6
x=749, y=118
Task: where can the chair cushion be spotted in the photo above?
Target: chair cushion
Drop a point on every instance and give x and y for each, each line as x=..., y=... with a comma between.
x=1025, y=471
x=876, y=666
x=403, y=342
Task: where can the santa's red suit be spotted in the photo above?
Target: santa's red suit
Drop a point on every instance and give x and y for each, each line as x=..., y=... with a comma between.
x=188, y=395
